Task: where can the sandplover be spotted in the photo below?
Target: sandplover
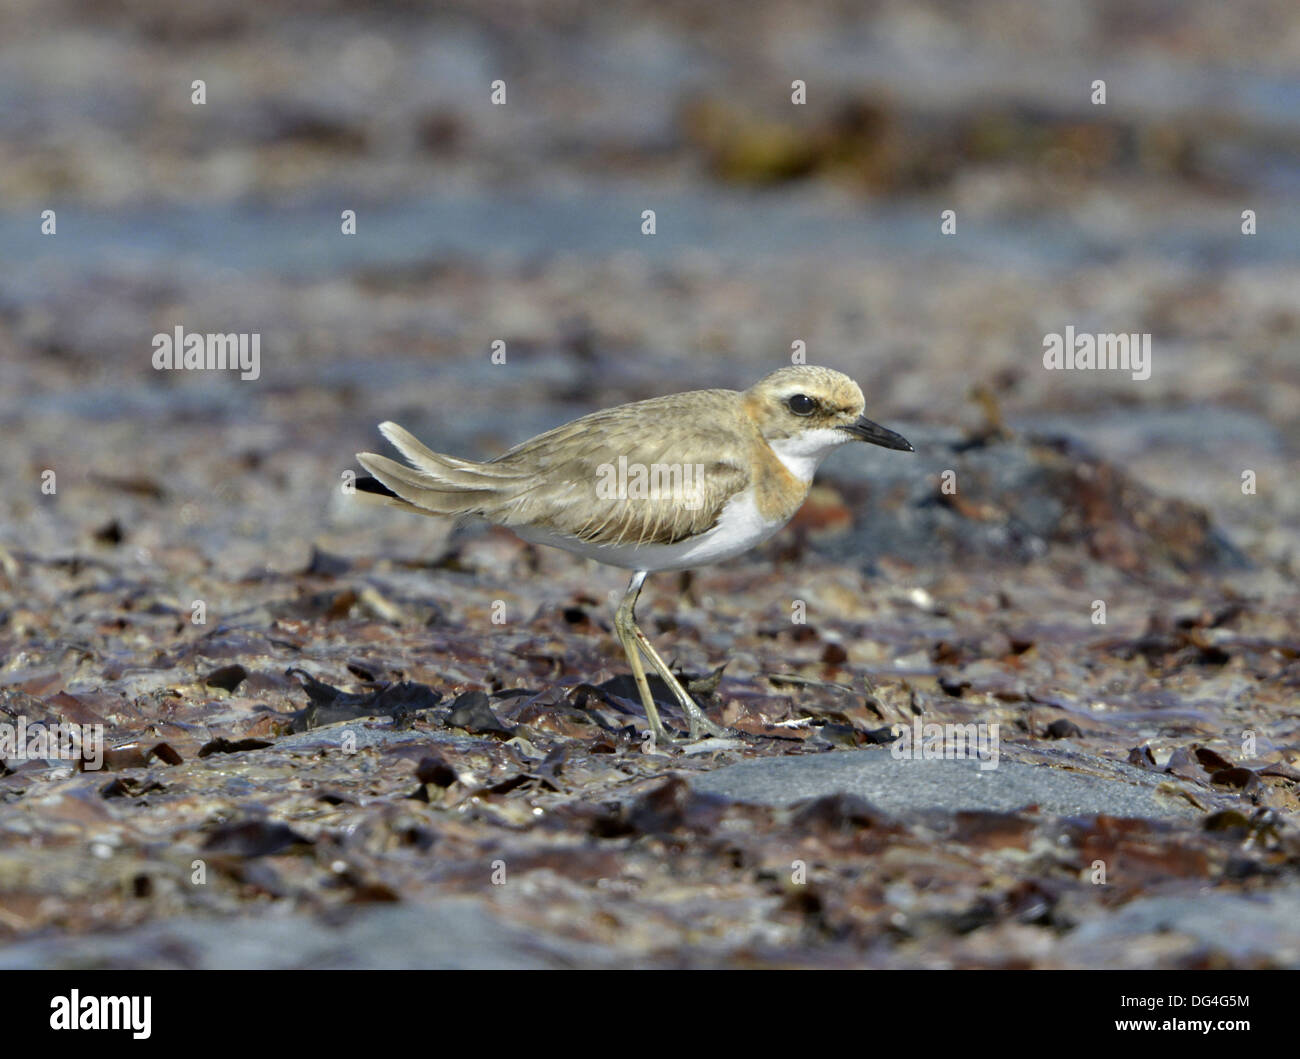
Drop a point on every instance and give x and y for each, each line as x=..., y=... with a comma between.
x=663, y=484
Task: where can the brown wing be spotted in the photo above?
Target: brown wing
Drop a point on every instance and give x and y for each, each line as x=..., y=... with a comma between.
x=653, y=472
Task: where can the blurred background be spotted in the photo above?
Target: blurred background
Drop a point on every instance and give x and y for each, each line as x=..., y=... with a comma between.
x=522, y=223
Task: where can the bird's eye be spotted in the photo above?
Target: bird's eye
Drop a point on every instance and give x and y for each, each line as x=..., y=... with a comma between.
x=802, y=405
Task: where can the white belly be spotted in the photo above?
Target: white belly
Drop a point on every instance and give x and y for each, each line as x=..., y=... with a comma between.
x=739, y=528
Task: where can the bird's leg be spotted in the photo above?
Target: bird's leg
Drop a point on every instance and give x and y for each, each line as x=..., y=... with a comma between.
x=632, y=637
x=695, y=716
x=625, y=627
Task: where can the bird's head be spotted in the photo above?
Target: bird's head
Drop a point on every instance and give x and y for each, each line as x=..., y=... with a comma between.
x=804, y=412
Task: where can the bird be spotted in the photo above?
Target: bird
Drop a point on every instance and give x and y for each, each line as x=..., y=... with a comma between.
x=667, y=483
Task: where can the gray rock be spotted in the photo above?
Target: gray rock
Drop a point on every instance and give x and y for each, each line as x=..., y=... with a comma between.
x=455, y=933
x=1033, y=492
x=1245, y=927
x=947, y=785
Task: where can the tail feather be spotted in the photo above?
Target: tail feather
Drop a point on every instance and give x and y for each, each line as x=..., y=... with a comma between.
x=423, y=491
x=372, y=492
x=446, y=468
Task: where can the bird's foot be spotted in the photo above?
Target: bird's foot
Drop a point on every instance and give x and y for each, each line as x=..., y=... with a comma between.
x=699, y=727
x=698, y=721
x=657, y=735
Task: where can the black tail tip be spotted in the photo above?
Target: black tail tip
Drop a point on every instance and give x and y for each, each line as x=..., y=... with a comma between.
x=374, y=485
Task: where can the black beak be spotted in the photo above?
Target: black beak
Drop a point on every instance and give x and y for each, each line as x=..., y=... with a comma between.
x=865, y=430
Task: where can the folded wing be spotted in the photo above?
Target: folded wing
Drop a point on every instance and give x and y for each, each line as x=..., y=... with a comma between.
x=653, y=472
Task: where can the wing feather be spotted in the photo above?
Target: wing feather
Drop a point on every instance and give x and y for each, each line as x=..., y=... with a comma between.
x=690, y=449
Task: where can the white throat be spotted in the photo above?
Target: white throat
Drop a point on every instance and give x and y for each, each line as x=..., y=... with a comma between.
x=803, y=453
